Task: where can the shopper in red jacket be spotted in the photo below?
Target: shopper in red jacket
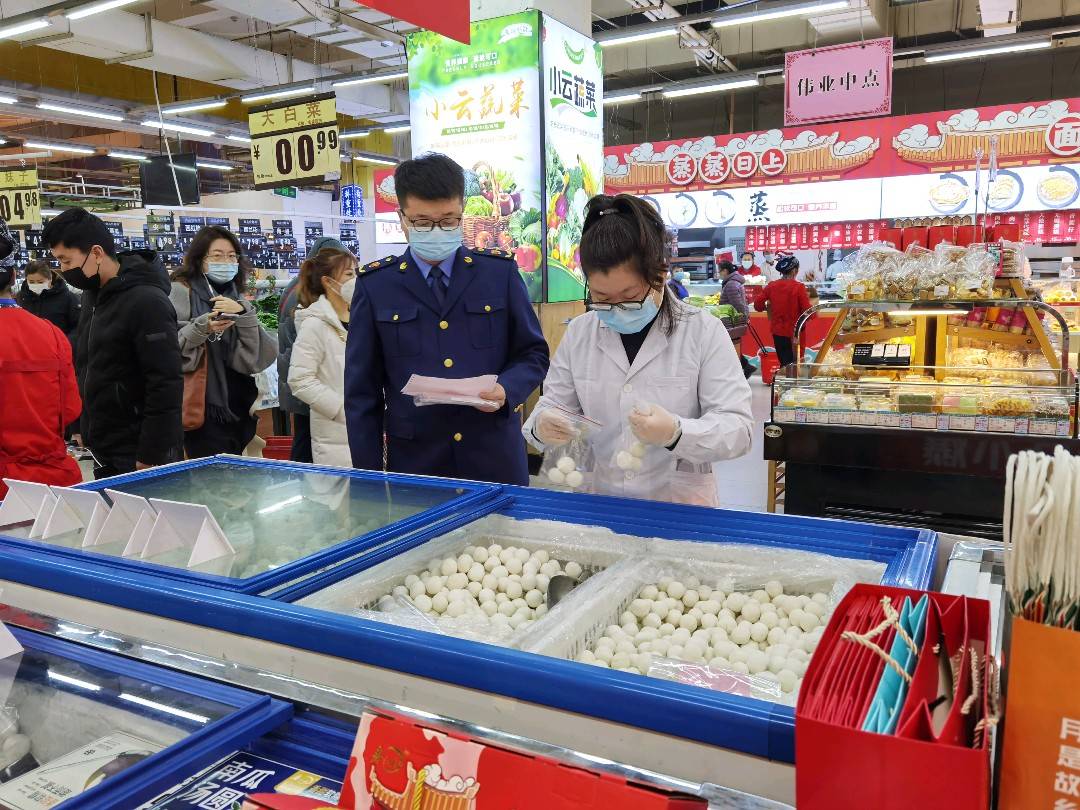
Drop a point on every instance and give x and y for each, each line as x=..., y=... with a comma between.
x=38, y=392
x=787, y=300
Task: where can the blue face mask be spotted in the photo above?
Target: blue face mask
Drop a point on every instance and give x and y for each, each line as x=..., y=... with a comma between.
x=222, y=272
x=630, y=322
x=436, y=244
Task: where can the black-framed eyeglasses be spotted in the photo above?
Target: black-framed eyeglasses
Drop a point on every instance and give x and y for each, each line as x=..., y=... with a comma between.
x=428, y=225
x=629, y=306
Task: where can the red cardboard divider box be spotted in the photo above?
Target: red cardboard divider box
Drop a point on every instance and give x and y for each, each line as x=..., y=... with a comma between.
x=399, y=765
x=940, y=233
x=915, y=236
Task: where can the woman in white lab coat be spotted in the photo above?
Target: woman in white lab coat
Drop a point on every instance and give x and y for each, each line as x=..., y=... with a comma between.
x=646, y=366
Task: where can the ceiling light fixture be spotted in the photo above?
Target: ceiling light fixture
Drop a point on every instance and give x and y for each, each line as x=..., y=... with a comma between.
x=89, y=9
x=217, y=167
x=801, y=10
x=238, y=138
x=128, y=156
x=62, y=108
x=396, y=129
x=375, y=160
x=624, y=98
x=205, y=133
x=270, y=94
x=373, y=79
x=195, y=107
x=56, y=147
x=354, y=133
x=679, y=92
x=23, y=28
x=626, y=39
x=8, y=100
x=994, y=50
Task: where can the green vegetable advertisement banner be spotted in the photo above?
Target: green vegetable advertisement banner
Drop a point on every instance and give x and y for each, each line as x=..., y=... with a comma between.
x=480, y=104
x=574, y=147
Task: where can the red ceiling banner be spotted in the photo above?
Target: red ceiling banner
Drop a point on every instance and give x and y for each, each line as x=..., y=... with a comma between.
x=447, y=17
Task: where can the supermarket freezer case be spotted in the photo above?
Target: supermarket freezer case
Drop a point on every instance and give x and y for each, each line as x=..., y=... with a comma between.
x=286, y=647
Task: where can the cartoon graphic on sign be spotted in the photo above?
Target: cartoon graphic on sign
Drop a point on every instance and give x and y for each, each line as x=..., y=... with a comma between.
x=427, y=790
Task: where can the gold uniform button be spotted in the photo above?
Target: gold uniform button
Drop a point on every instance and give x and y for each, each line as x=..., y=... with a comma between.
x=448, y=363
x=444, y=325
x=487, y=308
x=457, y=437
x=395, y=316
x=519, y=408
x=468, y=260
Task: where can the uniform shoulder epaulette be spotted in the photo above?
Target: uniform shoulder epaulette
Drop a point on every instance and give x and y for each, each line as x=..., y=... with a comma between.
x=498, y=253
x=379, y=264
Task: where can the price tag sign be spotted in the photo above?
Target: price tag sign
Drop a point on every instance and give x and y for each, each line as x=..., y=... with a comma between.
x=20, y=202
x=295, y=142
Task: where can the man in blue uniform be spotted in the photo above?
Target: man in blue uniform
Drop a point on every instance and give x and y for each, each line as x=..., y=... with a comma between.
x=440, y=310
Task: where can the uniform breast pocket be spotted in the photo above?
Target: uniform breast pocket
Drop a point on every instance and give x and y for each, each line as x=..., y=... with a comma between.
x=674, y=393
x=399, y=330
x=487, y=320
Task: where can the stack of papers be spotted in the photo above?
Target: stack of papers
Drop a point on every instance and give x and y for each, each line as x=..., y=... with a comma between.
x=440, y=391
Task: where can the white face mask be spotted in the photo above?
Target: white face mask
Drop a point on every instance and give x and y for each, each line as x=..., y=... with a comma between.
x=37, y=287
x=347, y=289
x=747, y=263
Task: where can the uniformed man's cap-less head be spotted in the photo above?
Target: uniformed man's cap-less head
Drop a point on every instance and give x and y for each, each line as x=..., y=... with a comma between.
x=624, y=253
x=83, y=246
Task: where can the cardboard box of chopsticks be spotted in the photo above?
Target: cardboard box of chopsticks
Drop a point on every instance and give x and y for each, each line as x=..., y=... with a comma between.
x=1040, y=764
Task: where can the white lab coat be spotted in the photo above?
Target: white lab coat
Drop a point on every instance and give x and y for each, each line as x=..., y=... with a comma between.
x=317, y=377
x=694, y=374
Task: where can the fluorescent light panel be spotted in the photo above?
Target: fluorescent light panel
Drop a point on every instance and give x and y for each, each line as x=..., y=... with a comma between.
x=127, y=156
x=23, y=28
x=642, y=37
x=8, y=100
x=194, y=107
x=356, y=133
x=59, y=147
x=276, y=94
x=95, y=8
x=217, y=167
x=710, y=88
x=386, y=77
x=995, y=50
x=206, y=133
x=63, y=108
x=238, y=138
x=779, y=13
x=379, y=161
x=395, y=130
x=625, y=98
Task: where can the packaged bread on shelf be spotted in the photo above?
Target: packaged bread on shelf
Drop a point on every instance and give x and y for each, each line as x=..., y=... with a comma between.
x=801, y=398
x=1012, y=403
x=975, y=277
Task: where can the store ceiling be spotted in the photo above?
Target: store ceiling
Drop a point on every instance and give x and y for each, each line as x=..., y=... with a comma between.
x=207, y=48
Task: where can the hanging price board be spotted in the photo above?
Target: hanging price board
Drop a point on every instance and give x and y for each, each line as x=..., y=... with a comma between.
x=20, y=202
x=295, y=142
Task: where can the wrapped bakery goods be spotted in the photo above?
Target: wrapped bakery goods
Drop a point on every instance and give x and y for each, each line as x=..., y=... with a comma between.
x=1013, y=403
x=872, y=265
x=1039, y=370
x=1012, y=263
x=1004, y=358
x=801, y=398
x=975, y=276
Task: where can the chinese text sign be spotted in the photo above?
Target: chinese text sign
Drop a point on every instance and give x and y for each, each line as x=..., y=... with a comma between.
x=853, y=80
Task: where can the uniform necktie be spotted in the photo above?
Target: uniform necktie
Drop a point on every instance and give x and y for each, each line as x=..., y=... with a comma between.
x=437, y=282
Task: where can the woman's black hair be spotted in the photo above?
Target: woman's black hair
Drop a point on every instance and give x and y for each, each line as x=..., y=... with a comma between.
x=623, y=229
x=192, y=266
x=726, y=265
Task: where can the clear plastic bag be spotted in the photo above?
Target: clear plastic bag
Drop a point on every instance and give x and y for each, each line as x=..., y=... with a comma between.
x=873, y=263
x=765, y=686
x=975, y=278
x=570, y=466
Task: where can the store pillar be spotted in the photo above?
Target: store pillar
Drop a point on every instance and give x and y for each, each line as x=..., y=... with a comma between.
x=573, y=13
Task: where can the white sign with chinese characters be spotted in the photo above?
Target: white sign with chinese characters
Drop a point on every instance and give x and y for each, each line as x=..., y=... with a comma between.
x=853, y=80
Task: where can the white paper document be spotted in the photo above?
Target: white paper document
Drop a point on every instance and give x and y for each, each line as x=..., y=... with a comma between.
x=441, y=391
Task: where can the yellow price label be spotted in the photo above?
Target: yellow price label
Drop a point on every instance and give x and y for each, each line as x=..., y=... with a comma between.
x=291, y=115
x=20, y=200
x=292, y=157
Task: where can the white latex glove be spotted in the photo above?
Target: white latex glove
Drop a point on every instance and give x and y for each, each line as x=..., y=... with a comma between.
x=651, y=424
x=554, y=429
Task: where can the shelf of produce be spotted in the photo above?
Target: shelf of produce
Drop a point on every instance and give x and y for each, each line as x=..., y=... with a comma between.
x=669, y=728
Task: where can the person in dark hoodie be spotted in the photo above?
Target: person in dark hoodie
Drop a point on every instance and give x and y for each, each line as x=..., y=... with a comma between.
x=733, y=293
x=45, y=293
x=127, y=354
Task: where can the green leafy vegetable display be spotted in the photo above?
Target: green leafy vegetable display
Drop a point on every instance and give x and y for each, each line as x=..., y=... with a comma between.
x=478, y=207
x=555, y=172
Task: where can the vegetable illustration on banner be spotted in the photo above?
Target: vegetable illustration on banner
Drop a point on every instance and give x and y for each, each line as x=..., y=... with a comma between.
x=20, y=202
x=574, y=151
x=295, y=142
x=479, y=104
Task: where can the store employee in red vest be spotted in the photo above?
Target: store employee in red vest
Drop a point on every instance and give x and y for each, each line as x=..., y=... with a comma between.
x=440, y=310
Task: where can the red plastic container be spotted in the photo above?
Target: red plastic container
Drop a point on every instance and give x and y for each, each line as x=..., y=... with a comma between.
x=770, y=364
x=278, y=448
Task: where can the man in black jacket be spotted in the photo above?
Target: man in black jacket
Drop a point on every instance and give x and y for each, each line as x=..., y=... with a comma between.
x=127, y=353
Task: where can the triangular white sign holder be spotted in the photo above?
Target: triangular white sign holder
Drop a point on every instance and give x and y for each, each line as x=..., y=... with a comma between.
x=23, y=502
x=48, y=503
x=186, y=525
x=77, y=509
x=10, y=657
x=129, y=521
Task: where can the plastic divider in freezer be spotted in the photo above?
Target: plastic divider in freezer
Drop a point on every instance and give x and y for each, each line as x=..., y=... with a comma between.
x=469, y=494
x=251, y=716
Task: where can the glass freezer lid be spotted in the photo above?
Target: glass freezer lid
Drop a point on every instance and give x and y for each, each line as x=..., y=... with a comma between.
x=67, y=724
x=272, y=515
